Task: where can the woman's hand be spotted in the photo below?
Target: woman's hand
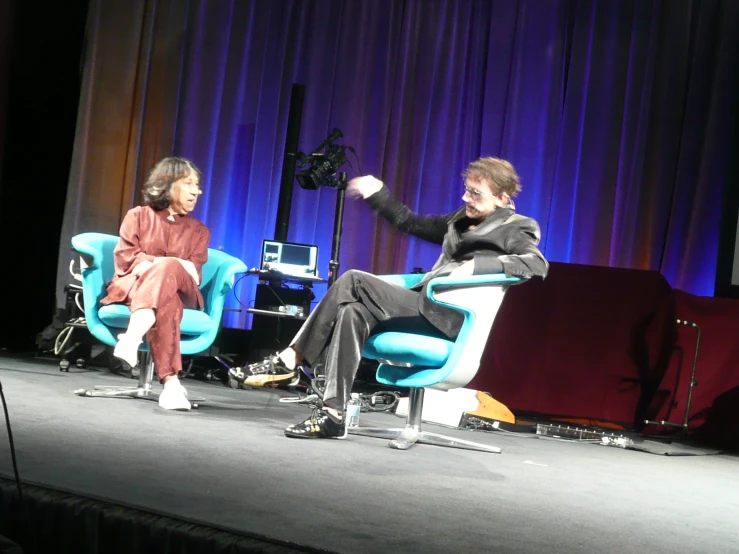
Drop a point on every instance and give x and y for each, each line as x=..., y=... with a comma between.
x=363, y=187
x=190, y=268
x=187, y=264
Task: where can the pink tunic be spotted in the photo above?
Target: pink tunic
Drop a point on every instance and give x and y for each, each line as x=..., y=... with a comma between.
x=145, y=234
x=165, y=287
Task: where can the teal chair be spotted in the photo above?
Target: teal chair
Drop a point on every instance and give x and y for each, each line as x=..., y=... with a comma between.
x=198, y=329
x=420, y=362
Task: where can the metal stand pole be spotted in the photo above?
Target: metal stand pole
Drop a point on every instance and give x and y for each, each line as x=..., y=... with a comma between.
x=693, y=383
x=333, y=264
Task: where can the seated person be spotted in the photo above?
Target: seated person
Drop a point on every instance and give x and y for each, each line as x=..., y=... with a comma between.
x=158, y=263
x=484, y=236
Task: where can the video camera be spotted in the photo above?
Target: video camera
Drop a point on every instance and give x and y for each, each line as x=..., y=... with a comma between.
x=323, y=165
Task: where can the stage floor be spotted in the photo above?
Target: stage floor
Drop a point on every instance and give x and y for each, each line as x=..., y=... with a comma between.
x=228, y=464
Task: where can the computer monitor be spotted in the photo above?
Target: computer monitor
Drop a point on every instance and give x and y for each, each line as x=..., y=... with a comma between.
x=290, y=258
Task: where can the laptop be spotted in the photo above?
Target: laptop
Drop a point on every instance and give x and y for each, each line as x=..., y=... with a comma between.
x=290, y=259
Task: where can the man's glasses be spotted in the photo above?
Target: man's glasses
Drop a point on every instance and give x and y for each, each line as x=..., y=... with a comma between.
x=476, y=193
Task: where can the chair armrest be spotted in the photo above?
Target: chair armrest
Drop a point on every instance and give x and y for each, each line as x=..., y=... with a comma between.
x=406, y=280
x=225, y=276
x=91, y=252
x=439, y=286
x=222, y=281
x=237, y=266
x=479, y=298
x=214, y=295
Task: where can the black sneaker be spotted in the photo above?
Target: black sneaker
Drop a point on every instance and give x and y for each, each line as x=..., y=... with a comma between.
x=269, y=370
x=318, y=426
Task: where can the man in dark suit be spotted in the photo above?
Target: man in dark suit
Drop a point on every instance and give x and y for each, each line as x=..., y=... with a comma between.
x=484, y=236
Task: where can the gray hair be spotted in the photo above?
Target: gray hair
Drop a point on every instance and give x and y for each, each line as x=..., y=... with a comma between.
x=157, y=189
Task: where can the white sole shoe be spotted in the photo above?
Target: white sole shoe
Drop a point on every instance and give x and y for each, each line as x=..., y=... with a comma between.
x=174, y=398
x=127, y=350
x=263, y=379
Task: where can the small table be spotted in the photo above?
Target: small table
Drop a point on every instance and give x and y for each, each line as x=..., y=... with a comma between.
x=278, y=312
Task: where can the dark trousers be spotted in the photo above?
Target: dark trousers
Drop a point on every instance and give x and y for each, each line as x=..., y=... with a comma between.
x=355, y=307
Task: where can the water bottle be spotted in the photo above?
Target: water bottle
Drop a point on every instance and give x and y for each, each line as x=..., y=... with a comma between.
x=353, y=408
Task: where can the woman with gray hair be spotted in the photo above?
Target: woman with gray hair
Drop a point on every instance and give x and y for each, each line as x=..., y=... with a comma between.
x=158, y=263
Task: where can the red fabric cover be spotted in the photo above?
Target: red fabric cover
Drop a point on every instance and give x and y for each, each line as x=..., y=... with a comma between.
x=714, y=406
x=583, y=343
x=602, y=344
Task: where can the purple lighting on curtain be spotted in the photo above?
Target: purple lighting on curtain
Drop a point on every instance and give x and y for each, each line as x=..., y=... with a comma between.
x=610, y=114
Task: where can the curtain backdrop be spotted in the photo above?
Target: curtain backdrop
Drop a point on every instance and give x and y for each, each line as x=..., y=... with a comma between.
x=616, y=115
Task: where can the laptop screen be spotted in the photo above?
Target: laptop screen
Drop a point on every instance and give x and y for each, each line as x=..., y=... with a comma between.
x=299, y=260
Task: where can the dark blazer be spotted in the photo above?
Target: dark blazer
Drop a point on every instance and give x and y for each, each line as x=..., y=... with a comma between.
x=503, y=242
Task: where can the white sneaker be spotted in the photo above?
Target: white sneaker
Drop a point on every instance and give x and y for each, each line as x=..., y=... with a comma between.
x=127, y=349
x=174, y=396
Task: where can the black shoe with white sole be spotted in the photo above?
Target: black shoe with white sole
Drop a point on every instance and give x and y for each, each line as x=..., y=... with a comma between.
x=270, y=370
x=319, y=425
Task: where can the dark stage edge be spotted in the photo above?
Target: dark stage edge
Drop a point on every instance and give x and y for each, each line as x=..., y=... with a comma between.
x=228, y=466
x=64, y=522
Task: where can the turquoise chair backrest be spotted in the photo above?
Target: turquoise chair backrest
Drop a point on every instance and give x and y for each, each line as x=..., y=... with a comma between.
x=98, y=268
x=477, y=297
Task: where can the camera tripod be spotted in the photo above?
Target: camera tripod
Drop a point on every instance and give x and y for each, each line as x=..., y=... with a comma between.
x=333, y=264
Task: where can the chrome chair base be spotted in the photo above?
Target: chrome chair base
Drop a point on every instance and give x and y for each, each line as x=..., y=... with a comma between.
x=142, y=389
x=403, y=439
